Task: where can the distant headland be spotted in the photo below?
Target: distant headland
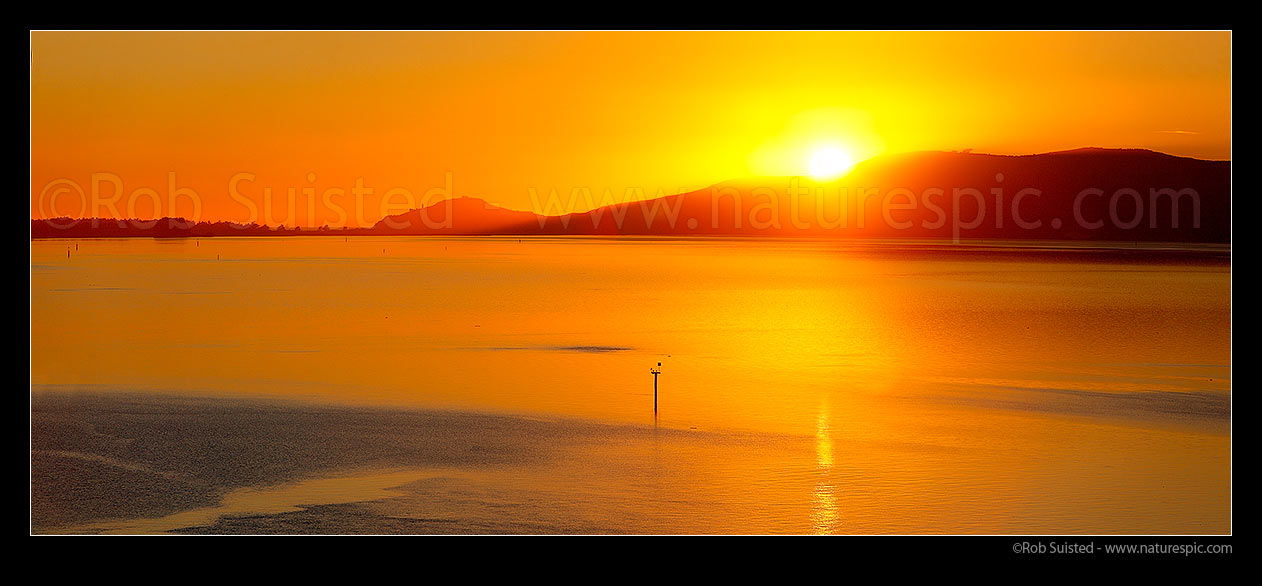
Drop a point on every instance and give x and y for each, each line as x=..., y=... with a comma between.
x=1082, y=194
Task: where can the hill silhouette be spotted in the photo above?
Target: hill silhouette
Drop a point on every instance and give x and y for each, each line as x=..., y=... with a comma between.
x=1081, y=194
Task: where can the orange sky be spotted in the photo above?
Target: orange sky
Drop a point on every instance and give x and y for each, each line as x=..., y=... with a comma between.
x=502, y=114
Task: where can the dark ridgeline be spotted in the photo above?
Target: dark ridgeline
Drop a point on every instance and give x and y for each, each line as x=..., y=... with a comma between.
x=899, y=202
x=160, y=228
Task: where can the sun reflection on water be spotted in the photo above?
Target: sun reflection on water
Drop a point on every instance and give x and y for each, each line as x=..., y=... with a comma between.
x=825, y=516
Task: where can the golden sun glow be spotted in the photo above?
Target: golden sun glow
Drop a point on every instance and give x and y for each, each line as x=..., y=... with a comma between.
x=406, y=108
x=822, y=143
x=829, y=163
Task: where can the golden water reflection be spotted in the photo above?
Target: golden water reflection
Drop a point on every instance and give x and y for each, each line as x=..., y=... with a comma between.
x=825, y=514
x=941, y=390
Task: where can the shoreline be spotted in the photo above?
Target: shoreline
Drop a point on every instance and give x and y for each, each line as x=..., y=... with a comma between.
x=134, y=463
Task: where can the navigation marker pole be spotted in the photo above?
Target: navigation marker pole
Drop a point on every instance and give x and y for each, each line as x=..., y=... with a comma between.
x=656, y=371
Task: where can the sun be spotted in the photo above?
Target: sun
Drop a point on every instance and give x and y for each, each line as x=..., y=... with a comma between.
x=829, y=163
x=823, y=144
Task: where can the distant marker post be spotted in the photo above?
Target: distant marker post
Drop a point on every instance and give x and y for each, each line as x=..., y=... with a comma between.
x=656, y=370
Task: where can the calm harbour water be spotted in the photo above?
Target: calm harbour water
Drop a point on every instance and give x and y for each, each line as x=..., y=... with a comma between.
x=497, y=385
